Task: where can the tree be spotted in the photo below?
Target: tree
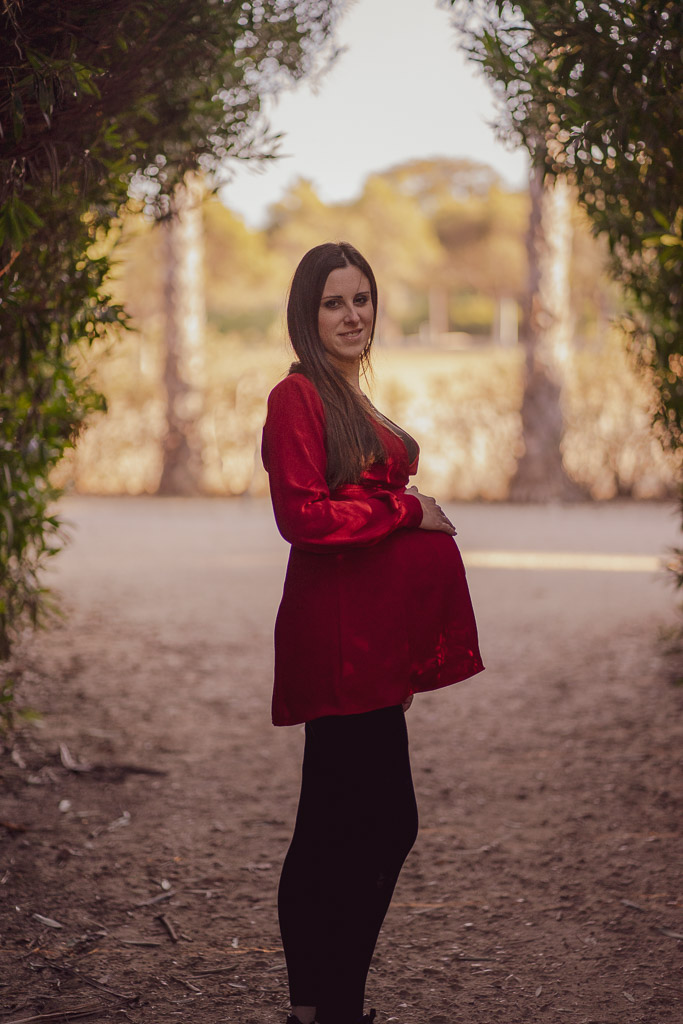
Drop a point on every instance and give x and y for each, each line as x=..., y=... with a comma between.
x=184, y=327
x=480, y=229
x=540, y=474
x=595, y=92
x=438, y=181
x=96, y=98
x=245, y=277
x=387, y=225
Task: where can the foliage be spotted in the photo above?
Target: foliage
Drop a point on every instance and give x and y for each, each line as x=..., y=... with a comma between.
x=9, y=711
x=245, y=278
x=96, y=98
x=480, y=226
x=37, y=418
x=483, y=238
x=437, y=181
x=595, y=91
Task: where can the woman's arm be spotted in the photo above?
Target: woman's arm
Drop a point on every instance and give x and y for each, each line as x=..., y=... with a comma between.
x=294, y=455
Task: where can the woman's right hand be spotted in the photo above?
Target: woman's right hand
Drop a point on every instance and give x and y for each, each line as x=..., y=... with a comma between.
x=433, y=516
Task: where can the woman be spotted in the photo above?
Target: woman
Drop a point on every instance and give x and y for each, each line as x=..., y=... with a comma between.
x=375, y=608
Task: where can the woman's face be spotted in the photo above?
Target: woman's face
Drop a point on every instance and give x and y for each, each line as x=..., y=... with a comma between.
x=345, y=315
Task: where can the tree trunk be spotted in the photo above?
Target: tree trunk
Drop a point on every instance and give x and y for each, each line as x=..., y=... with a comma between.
x=184, y=341
x=540, y=473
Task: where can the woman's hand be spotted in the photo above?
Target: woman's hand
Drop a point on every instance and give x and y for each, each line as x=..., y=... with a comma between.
x=433, y=516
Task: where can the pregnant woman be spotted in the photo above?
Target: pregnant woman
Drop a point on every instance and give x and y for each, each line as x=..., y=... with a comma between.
x=375, y=608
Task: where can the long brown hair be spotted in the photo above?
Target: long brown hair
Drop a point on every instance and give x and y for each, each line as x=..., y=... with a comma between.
x=352, y=443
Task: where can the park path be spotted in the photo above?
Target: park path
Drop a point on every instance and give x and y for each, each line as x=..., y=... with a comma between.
x=545, y=885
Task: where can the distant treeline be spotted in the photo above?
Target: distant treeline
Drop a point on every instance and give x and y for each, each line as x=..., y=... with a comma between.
x=447, y=241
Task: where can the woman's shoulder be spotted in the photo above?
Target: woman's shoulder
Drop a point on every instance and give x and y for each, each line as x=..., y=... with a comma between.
x=294, y=383
x=295, y=387
x=295, y=393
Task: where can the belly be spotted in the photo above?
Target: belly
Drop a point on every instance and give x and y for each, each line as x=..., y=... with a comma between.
x=366, y=626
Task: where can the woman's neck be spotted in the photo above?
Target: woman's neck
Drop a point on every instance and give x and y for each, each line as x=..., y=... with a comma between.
x=350, y=371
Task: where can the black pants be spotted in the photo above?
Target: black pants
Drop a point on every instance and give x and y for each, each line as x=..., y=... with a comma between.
x=356, y=822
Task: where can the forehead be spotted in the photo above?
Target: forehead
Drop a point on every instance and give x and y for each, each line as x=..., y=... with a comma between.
x=346, y=281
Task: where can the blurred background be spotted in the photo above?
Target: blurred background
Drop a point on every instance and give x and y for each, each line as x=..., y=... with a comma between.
x=465, y=283
x=448, y=239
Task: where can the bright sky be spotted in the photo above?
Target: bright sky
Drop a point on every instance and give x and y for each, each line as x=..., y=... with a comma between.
x=401, y=90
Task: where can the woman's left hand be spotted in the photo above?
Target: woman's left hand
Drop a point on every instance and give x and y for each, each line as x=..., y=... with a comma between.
x=407, y=702
x=433, y=516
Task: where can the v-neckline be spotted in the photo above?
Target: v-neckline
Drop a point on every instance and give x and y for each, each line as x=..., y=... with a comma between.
x=389, y=425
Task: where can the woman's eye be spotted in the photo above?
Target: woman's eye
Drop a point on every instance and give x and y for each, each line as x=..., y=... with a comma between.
x=361, y=300
x=331, y=304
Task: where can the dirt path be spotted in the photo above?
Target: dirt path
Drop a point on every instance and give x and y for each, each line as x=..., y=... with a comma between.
x=545, y=885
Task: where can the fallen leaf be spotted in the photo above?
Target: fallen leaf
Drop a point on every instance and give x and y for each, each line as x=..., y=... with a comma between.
x=49, y=921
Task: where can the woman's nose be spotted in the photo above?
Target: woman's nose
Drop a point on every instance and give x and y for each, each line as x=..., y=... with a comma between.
x=351, y=315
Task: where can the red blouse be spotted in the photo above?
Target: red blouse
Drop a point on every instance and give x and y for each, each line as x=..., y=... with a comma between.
x=373, y=609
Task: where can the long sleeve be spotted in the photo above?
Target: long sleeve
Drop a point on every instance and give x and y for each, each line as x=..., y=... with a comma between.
x=294, y=455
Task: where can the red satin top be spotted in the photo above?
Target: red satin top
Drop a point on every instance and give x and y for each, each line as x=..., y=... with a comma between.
x=373, y=609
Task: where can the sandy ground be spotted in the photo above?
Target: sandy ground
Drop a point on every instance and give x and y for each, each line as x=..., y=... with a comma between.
x=545, y=884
